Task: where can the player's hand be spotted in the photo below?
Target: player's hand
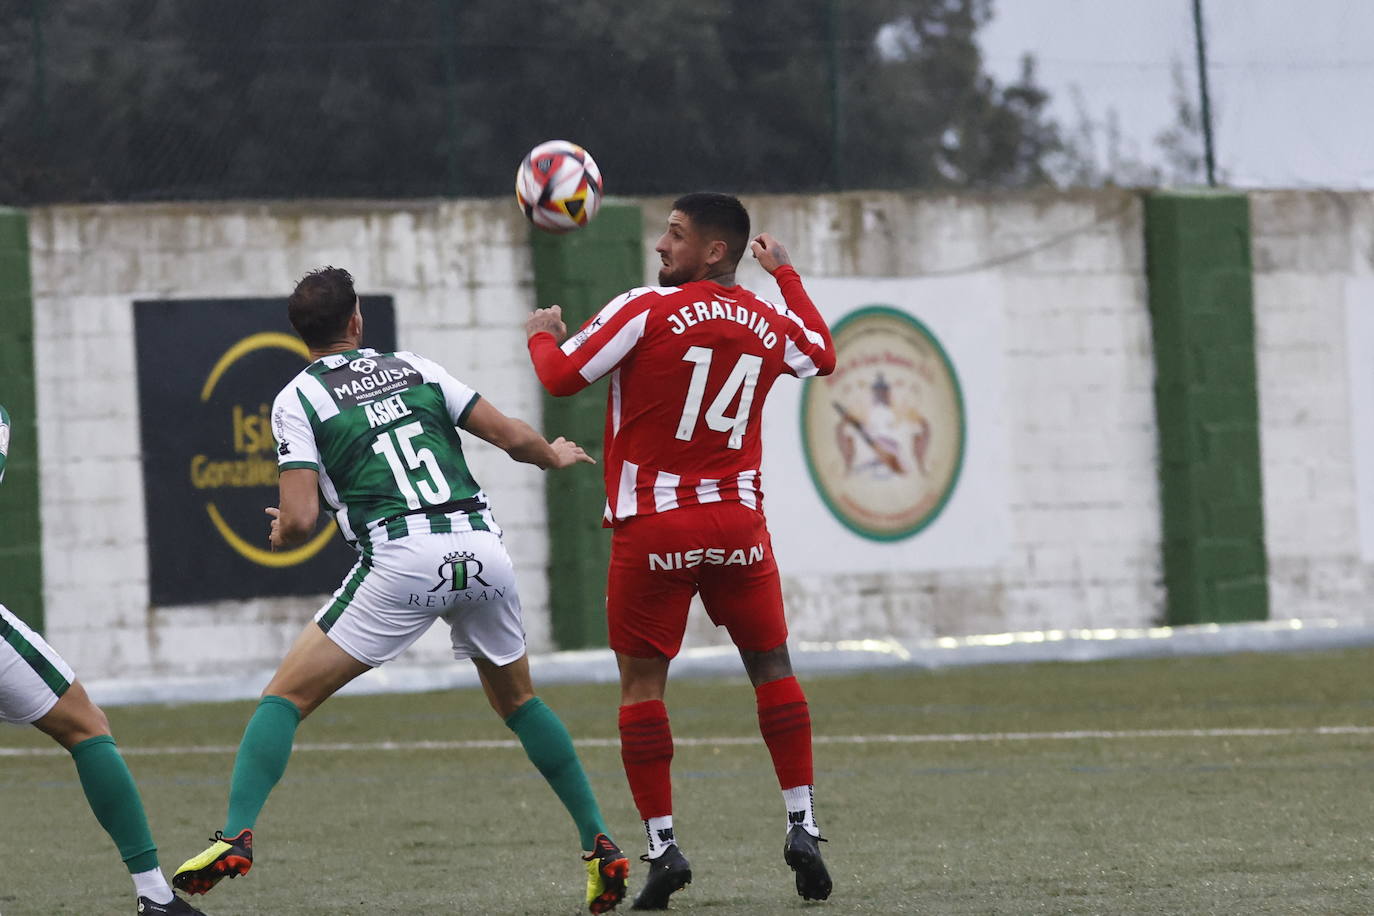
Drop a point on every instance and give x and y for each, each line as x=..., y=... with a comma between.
x=549, y=320
x=274, y=536
x=769, y=252
x=566, y=453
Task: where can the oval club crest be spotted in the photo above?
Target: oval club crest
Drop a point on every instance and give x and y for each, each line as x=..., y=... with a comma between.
x=884, y=434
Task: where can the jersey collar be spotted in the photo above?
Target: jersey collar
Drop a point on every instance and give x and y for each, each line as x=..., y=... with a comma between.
x=335, y=360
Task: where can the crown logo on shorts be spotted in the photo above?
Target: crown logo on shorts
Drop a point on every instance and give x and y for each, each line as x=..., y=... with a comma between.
x=458, y=555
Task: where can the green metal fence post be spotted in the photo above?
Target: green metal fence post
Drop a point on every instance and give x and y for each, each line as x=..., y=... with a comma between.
x=582, y=272
x=21, y=543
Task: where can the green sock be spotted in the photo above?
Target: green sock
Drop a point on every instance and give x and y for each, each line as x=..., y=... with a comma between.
x=261, y=760
x=550, y=749
x=115, y=801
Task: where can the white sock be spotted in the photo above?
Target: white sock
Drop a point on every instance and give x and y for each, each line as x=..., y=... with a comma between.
x=801, y=808
x=659, y=830
x=153, y=885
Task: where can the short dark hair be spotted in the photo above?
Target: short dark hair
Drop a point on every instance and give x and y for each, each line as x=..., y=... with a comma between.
x=321, y=305
x=711, y=211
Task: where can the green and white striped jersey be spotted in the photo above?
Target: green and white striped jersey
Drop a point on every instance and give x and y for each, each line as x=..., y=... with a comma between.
x=379, y=429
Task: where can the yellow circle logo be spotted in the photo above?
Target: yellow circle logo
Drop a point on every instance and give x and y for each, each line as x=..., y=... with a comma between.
x=206, y=474
x=884, y=433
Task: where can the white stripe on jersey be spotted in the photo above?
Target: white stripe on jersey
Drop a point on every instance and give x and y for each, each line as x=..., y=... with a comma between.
x=317, y=395
x=615, y=403
x=783, y=310
x=331, y=498
x=608, y=311
x=748, y=488
x=457, y=396
x=668, y=491
x=626, y=503
x=614, y=350
x=801, y=364
x=419, y=522
x=665, y=491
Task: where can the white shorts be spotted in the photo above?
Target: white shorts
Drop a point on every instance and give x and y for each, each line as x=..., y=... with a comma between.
x=32, y=675
x=398, y=588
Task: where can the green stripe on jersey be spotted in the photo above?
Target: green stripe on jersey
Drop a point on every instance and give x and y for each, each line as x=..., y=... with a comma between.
x=36, y=660
x=467, y=411
x=310, y=413
x=350, y=589
x=395, y=456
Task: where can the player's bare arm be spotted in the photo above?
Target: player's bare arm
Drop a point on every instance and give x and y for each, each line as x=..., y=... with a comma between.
x=521, y=441
x=547, y=321
x=769, y=252
x=294, y=521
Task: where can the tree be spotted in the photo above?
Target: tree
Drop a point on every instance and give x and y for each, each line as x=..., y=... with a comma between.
x=1181, y=143
x=146, y=99
x=1094, y=154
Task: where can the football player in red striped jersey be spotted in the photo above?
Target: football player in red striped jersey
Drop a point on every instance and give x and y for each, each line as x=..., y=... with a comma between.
x=691, y=362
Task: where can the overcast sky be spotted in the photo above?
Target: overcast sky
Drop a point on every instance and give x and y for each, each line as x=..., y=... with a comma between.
x=1292, y=80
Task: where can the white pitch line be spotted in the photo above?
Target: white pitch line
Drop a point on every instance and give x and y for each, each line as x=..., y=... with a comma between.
x=952, y=738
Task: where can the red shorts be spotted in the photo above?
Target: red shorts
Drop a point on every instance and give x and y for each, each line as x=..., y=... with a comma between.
x=658, y=562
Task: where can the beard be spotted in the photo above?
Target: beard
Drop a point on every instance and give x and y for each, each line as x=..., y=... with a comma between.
x=667, y=276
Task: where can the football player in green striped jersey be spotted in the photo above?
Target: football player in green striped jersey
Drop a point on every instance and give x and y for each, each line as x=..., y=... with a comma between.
x=376, y=436
x=38, y=687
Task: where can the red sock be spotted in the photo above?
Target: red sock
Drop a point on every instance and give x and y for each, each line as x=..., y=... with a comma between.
x=646, y=748
x=785, y=722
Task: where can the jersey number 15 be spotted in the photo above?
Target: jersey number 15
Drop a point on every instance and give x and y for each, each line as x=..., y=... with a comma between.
x=431, y=484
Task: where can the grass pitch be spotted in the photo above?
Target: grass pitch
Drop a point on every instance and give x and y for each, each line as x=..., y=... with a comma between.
x=1234, y=784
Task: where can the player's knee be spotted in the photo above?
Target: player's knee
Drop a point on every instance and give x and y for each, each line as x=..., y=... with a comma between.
x=89, y=717
x=74, y=718
x=507, y=703
x=631, y=694
x=91, y=723
x=305, y=704
x=642, y=679
x=771, y=665
x=99, y=723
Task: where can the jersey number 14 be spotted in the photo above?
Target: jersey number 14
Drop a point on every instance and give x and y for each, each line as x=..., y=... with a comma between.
x=740, y=382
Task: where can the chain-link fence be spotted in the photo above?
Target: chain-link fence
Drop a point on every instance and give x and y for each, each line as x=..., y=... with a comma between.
x=166, y=99
x=157, y=99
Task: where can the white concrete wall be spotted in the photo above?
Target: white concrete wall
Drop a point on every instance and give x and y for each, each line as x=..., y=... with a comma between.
x=1079, y=404
x=1084, y=508
x=462, y=282
x=1307, y=247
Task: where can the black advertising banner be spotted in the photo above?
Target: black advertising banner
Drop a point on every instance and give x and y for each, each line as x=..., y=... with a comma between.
x=208, y=370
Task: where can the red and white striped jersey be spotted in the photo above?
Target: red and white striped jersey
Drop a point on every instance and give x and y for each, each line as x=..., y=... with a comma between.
x=690, y=368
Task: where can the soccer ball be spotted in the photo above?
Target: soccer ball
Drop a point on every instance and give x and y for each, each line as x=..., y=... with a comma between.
x=558, y=186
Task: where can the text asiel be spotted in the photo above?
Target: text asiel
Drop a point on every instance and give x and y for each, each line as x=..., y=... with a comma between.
x=715, y=310
x=387, y=410
x=706, y=556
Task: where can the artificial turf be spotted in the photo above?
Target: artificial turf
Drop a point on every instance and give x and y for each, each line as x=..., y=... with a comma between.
x=1206, y=785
